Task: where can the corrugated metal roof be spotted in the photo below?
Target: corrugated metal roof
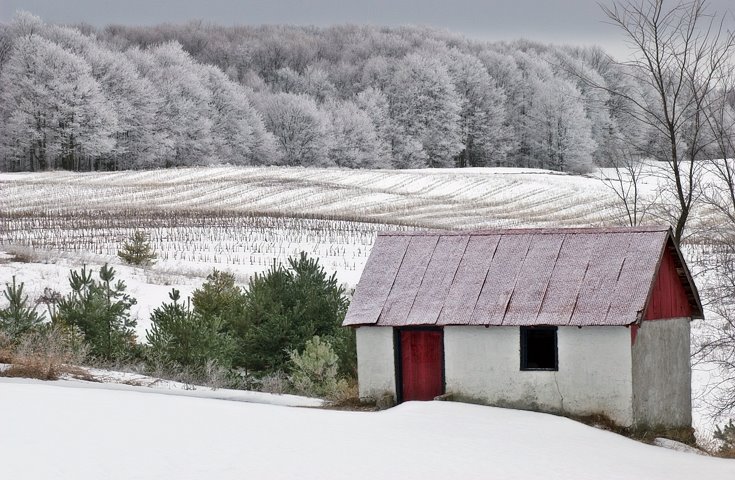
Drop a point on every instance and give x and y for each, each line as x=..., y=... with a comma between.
x=579, y=276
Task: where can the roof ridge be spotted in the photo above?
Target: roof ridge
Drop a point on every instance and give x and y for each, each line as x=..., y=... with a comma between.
x=537, y=231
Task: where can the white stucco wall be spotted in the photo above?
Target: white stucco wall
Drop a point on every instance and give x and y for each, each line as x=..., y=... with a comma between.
x=662, y=375
x=594, y=376
x=376, y=372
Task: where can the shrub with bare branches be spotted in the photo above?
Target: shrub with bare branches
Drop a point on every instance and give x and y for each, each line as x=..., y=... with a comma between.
x=44, y=354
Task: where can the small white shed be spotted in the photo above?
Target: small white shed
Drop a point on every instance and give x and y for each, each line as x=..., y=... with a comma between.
x=575, y=321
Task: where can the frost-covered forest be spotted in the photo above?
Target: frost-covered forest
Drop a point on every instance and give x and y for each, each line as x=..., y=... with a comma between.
x=81, y=98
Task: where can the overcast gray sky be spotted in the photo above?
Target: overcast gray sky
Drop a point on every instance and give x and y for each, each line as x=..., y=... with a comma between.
x=548, y=21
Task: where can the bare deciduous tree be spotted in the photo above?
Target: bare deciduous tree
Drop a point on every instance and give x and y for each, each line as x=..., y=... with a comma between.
x=624, y=178
x=715, y=342
x=719, y=191
x=678, y=55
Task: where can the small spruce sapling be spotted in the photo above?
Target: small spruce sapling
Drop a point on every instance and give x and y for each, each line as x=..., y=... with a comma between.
x=101, y=311
x=137, y=250
x=314, y=371
x=181, y=337
x=18, y=318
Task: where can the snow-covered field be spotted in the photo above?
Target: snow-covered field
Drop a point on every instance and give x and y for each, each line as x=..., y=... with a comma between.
x=242, y=219
x=55, y=430
x=439, y=198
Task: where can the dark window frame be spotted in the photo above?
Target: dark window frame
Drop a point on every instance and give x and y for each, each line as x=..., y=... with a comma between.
x=524, y=334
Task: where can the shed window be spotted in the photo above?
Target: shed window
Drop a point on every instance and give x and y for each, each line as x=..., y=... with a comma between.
x=538, y=348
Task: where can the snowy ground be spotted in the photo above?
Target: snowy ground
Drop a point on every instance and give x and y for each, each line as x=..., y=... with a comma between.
x=53, y=430
x=143, y=383
x=242, y=219
x=440, y=198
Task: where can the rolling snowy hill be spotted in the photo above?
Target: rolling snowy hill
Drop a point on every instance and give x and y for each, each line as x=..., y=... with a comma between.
x=242, y=219
x=54, y=430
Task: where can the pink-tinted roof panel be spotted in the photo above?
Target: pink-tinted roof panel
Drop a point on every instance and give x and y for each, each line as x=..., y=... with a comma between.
x=438, y=279
x=376, y=280
x=566, y=281
x=470, y=278
x=636, y=276
x=533, y=280
x=408, y=280
x=501, y=280
x=593, y=300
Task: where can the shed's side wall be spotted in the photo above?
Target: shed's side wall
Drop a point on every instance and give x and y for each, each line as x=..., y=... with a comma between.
x=662, y=375
x=594, y=376
x=376, y=371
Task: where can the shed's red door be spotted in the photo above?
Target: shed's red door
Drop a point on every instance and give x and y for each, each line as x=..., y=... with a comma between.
x=421, y=364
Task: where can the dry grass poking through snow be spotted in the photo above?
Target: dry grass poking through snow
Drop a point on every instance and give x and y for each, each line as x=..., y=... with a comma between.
x=44, y=355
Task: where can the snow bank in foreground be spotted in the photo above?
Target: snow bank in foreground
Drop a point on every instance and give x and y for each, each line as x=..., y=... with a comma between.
x=142, y=383
x=50, y=431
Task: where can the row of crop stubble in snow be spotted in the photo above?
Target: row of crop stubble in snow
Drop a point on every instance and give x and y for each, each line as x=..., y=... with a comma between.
x=470, y=198
x=243, y=218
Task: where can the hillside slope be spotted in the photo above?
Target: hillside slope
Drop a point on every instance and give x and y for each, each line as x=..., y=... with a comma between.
x=433, y=198
x=88, y=433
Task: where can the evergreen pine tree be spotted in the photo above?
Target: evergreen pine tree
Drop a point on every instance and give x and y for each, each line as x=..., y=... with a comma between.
x=137, y=250
x=286, y=307
x=18, y=318
x=315, y=370
x=181, y=337
x=219, y=297
x=101, y=310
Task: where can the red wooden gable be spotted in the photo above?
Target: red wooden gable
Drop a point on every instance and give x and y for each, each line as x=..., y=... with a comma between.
x=668, y=297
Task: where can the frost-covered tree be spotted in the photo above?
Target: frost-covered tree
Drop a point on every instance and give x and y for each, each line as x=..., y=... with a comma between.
x=138, y=144
x=181, y=95
x=375, y=105
x=313, y=82
x=521, y=90
x=238, y=132
x=424, y=103
x=483, y=131
x=52, y=111
x=376, y=72
x=301, y=129
x=25, y=24
x=355, y=140
x=6, y=43
x=185, y=110
x=562, y=139
x=511, y=81
x=594, y=102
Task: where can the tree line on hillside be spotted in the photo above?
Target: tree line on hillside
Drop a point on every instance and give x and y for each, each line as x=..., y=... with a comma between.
x=81, y=98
